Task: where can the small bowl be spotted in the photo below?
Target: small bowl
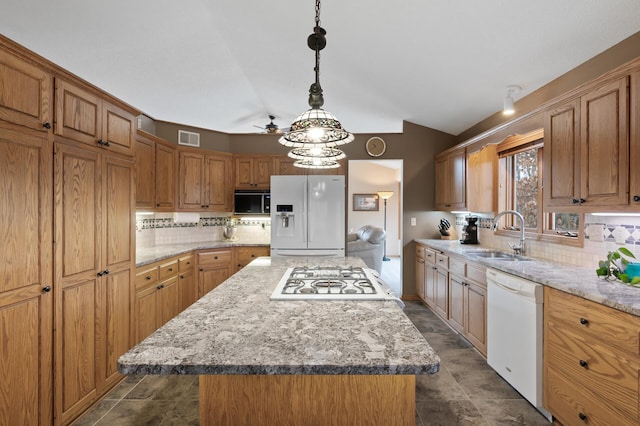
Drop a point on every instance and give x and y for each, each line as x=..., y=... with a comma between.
x=632, y=269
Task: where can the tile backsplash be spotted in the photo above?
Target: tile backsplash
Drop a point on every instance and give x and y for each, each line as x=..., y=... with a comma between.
x=169, y=228
x=602, y=234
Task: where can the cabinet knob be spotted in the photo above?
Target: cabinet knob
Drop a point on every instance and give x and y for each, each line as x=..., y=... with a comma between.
x=105, y=272
x=582, y=416
x=584, y=321
x=636, y=198
x=170, y=269
x=575, y=201
x=582, y=200
x=46, y=125
x=100, y=274
x=160, y=287
x=583, y=363
x=158, y=205
x=201, y=270
x=148, y=277
x=215, y=257
x=188, y=263
x=46, y=289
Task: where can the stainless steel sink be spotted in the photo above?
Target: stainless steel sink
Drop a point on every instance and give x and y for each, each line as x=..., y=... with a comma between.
x=496, y=255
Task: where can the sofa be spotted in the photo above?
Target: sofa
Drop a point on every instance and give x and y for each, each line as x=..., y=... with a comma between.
x=368, y=244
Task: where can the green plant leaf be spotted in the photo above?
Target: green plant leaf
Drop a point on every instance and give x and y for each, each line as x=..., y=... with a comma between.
x=626, y=252
x=624, y=278
x=602, y=271
x=635, y=280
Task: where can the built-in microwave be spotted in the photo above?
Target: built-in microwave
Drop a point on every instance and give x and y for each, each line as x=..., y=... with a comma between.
x=252, y=202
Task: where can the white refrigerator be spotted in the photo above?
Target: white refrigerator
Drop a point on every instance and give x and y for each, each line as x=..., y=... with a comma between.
x=307, y=216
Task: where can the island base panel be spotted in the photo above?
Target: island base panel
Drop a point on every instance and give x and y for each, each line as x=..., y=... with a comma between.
x=307, y=400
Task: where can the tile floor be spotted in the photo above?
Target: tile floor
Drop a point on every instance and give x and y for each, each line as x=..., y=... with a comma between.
x=466, y=391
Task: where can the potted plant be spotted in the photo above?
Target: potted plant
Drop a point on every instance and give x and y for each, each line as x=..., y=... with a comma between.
x=615, y=266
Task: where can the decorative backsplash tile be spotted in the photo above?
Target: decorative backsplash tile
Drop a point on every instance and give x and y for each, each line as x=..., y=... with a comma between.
x=161, y=223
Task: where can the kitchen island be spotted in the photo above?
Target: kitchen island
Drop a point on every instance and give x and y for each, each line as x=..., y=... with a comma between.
x=290, y=362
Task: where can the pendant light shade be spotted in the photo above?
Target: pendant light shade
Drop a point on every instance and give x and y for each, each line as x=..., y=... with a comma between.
x=316, y=127
x=316, y=133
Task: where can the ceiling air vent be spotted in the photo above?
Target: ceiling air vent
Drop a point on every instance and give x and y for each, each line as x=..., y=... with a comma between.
x=188, y=138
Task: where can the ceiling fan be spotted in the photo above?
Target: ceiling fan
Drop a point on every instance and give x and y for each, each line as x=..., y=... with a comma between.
x=271, y=127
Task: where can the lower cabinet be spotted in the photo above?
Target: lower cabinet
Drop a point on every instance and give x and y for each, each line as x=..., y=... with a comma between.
x=456, y=290
x=187, y=286
x=591, y=362
x=246, y=254
x=214, y=266
x=158, y=295
x=467, y=301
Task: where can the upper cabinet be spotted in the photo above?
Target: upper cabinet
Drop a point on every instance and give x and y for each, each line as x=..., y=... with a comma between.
x=25, y=93
x=156, y=173
x=587, y=149
x=87, y=118
x=482, y=180
x=253, y=171
x=205, y=182
x=451, y=180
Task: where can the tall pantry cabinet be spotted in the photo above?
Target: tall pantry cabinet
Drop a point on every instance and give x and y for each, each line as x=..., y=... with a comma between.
x=26, y=299
x=94, y=252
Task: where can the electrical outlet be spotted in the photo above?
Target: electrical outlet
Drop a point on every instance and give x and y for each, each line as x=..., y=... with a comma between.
x=413, y=221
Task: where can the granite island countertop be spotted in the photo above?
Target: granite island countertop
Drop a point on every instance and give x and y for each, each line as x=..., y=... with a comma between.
x=148, y=255
x=237, y=329
x=581, y=282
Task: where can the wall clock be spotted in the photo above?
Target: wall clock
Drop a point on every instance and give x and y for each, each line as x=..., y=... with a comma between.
x=376, y=146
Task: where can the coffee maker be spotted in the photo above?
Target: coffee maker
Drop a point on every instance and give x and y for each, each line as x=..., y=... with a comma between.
x=470, y=231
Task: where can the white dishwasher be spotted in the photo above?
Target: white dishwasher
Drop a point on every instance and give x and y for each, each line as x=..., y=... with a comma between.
x=515, y=332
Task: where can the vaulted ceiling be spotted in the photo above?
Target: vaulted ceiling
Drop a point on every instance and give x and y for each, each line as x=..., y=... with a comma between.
x=227, y=64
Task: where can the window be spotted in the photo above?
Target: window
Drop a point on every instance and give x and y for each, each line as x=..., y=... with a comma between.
x=520, y=177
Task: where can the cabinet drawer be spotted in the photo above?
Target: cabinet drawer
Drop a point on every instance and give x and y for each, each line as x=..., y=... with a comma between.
x=169, y=269
x=610, y=326
x=571, y=405
x=247, y=254
x=420, y=252
x=429, y=256
x=609, y=375
x=457, y=266
x=442, y=260
x=146, y=275
x=215, y=258
x=477, y=273
x=185, y=263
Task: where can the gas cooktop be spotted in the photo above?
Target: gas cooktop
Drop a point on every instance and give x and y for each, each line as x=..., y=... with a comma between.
x=330, y=283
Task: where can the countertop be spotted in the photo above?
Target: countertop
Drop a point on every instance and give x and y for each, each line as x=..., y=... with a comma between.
x=145, y=256
x=581, y=282
x=237, y=329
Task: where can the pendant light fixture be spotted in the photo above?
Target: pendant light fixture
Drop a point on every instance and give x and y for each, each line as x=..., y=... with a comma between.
x=316, y=133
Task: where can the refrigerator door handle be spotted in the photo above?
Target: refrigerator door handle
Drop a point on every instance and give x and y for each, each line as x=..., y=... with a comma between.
x=304, y=212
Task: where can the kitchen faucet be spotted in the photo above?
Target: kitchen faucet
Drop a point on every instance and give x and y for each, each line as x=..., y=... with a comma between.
x=518, y=249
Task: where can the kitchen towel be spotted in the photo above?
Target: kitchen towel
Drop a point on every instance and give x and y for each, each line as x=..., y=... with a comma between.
x=186, y=217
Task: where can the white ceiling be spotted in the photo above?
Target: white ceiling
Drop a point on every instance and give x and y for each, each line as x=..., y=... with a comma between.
x=227, y=64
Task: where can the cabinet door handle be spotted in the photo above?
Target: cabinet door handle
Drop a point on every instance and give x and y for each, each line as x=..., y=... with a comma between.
x=215, y=257
x=170, y=269
x=105, y=272
x=46, y=289
x=160, y=287
x=148, y=277
x=584, y=321
x=582, y=416
x=101, y=273
x=46, y=125
x=201, y=270
x=575, y=201
x=636, y=198
x=583, y=363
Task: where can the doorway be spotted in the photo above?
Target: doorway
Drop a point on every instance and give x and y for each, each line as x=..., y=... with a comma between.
x=370, y=177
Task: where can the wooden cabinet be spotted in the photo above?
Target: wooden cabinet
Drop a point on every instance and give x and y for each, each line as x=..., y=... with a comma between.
x=245, y=255
x=634, y=139
x=26, y=93
x=26, y=299
x=205, y=182
x=94, y=258
x=450, y=179
x=86, y=117
x=430, y=277
x=214, y=267
x=591, y=361
x=163, y=290
x=253, y=171
x=587, y=149
x=420, y=272
x=467, y=301
x=441, y=286
x=482, y=180
x=156, y=173
x=187, y=286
